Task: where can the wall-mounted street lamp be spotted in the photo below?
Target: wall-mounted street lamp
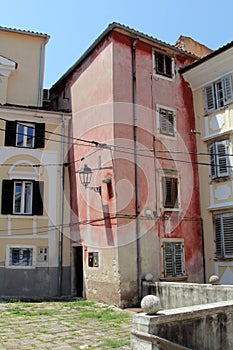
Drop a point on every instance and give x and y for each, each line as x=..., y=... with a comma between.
x=85, y=175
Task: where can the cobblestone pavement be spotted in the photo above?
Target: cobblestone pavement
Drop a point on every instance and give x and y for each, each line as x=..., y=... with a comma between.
x=63, y=326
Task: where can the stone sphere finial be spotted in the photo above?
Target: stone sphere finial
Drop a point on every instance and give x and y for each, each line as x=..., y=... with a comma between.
x=150, y=304
x=214, y=279
x=148, y=277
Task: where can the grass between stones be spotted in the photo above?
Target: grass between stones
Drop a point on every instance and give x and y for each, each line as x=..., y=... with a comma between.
x=69, y=325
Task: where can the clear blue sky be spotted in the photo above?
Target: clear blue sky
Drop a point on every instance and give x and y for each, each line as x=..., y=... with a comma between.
x=74, y=24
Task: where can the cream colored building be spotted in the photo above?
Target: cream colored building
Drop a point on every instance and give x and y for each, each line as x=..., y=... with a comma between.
x=211, y=82
x=34, y=244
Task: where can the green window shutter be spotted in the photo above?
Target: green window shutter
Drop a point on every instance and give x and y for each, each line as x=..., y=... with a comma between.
x=10, y=133
x=7, y=196
x=173, y=257
x=37, y=200
x=168, y=260
x=218, y=236
x=39, y=135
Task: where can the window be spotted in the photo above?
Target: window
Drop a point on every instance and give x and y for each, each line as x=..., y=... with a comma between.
x=43, y=254
x=166, y=122
x=22, y=197
x=219, y=159
x=93, y=259
x=163, y=64
x=29, y=135
x=170, y=192
x=173, y=259
x=21, y=256
x=218, y=93
x=223, y=226
x=25, y=135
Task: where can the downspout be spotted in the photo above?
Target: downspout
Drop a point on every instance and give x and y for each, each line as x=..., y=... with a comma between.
x=60, y=241
x=41, y=74
x=137, y=189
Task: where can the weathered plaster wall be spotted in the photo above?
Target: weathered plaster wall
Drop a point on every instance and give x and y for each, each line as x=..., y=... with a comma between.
x=196, y=327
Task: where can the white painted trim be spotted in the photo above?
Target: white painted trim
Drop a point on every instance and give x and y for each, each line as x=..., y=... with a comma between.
x=226, y=205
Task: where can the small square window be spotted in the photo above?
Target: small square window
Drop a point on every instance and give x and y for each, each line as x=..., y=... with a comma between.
x=163, y=64
x=21, y=256
x=93, y=259
x=43, y=254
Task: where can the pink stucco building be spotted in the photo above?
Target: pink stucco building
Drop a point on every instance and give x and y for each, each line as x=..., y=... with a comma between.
x=133, y=126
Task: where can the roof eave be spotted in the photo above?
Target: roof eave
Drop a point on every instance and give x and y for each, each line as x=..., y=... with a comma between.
x=123, y=29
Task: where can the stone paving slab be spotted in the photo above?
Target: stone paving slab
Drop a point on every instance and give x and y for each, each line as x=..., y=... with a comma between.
x=64, y=325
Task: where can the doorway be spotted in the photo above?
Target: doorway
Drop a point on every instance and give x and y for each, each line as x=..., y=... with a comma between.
x=78, y=271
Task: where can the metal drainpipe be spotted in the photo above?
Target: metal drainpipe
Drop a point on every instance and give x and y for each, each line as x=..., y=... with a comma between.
x=42, y=51
x=137, y=192
x=60, y=242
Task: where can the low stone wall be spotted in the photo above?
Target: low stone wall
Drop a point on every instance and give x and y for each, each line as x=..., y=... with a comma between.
x=199, y=327
x=175, y=294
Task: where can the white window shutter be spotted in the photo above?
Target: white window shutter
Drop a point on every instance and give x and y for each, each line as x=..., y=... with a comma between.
x=228, y=235
x=209, y=98
x=222, y=158
x=227, y=88
x=213, y=172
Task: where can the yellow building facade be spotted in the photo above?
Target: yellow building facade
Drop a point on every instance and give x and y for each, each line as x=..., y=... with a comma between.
x=211, y=82
x=34, y=246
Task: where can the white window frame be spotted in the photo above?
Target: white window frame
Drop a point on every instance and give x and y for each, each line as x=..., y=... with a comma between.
x=8, y=263
x=158, y=74
x=25, y=135
x=218, y=93
x=173, y=242
x=170, y=135
x=223, y=231
x=175, y=175
x=220, y=165
x=23, y=193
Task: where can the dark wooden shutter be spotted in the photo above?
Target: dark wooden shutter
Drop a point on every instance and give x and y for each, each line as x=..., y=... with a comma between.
x=39, y=135
x=170, y=192
x=10, y=133
x=37, y=201
x=7, y=196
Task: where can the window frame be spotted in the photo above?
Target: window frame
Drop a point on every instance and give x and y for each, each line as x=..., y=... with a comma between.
x=9, y=249
x=11, y=132
x=217, y=159
x=161, y=131
x=8, y=197
x=23, y=204
x=163, y=73
x=223, y=235
x=175, y=181
x=173, y=267
x=25, y=133
x=218, y=93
